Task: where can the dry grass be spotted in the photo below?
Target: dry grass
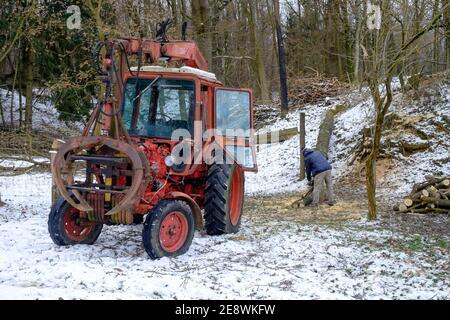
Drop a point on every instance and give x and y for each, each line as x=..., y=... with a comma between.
x=281, y=209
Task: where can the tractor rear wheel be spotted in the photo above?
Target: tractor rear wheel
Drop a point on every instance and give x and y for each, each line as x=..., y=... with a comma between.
x=67, y=227
x=168, y=229
x=224, y=199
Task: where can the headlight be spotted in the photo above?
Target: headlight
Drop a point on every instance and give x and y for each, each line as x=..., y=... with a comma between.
x=169, y=161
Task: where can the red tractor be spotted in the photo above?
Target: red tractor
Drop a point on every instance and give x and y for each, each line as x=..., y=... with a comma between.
x=165, y=142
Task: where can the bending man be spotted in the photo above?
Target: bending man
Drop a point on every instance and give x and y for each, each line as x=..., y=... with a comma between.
x=318, y=168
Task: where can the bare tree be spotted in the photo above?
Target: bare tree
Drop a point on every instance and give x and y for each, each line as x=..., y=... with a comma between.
x=380, y=68
x=281, y=59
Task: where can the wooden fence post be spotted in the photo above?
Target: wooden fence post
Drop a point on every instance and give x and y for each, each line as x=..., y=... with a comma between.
x=302, y=145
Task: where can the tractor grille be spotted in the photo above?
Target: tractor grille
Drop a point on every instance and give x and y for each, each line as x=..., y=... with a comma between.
x=97, y=201
x=122, y=217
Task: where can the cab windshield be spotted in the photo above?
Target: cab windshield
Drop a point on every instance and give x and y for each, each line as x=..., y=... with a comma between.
x=157, y=107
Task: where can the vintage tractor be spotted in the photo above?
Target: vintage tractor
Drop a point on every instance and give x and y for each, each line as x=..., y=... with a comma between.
x=166, y=142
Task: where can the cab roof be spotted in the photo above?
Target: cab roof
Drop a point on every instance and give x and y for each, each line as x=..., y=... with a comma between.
x=187, y=70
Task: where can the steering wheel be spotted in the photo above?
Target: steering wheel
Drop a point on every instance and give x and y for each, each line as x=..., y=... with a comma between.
x=165, y=116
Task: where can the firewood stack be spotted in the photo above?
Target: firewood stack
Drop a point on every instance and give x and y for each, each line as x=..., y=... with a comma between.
x=364, y=147
x=431, y=196
x=312, y=89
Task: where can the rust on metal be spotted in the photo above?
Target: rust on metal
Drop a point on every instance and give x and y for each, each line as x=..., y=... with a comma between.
x=62, y=161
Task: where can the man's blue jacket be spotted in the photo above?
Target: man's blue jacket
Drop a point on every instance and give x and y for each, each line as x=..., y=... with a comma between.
x=315, y=163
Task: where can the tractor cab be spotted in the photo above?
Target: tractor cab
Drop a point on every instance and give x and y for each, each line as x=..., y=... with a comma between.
x=166, y=103
x=156, y=105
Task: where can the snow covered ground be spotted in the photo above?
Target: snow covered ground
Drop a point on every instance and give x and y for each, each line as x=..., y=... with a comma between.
x=273, y=259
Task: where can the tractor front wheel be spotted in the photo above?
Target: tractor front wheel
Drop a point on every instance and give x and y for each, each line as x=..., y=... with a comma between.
x=168, y=229
x=67, y=227
x=224, y=199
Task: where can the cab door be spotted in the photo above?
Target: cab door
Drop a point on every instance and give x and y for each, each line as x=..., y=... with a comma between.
x=233, y=120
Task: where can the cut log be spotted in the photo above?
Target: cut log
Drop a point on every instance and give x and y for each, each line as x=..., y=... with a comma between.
x=419, y=194
x=442, y=203
x=444, y=184
x=430, y=210
x=436, y=178
x=417, y=132
x=408, y=202
x=433, y=193
x=443, y=195
x=276, y=136
x=409, y=148
x=430, y=196
x=440, y=126
x=446, y=119
x=306, y=197
x=424, y=185
x=325, y=130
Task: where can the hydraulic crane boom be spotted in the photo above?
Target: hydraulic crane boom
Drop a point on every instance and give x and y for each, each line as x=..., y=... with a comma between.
x=186, y=51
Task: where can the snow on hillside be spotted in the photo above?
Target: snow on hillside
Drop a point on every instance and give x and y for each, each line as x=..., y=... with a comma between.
x=278, y=163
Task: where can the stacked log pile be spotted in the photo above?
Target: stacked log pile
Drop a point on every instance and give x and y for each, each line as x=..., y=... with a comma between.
x=394, y=143
x=312, y=89
x=364, y=147
x=432, y=196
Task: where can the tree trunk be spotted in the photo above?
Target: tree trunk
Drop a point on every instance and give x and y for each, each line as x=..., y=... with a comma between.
x=16, y=68
x=174, y=8
x=258, y=62
x=446, y=16
x=436, y=41
x=302, y=143
x=95, y=11
x=29, y=64
x=357, y=48
x=337, y=39
x=347, y=41
x=20, y=97
x=281, y=60
x=200, y=19
x=381, y=107
x=371, y=186
x=2, y=113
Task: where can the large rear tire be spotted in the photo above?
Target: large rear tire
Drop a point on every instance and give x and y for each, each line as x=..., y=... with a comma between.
x=168, y=229
x=66, y=227
x=224, y=199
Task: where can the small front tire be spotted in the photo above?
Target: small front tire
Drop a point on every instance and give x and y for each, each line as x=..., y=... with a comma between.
x=66, y=227
x=168, y=229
